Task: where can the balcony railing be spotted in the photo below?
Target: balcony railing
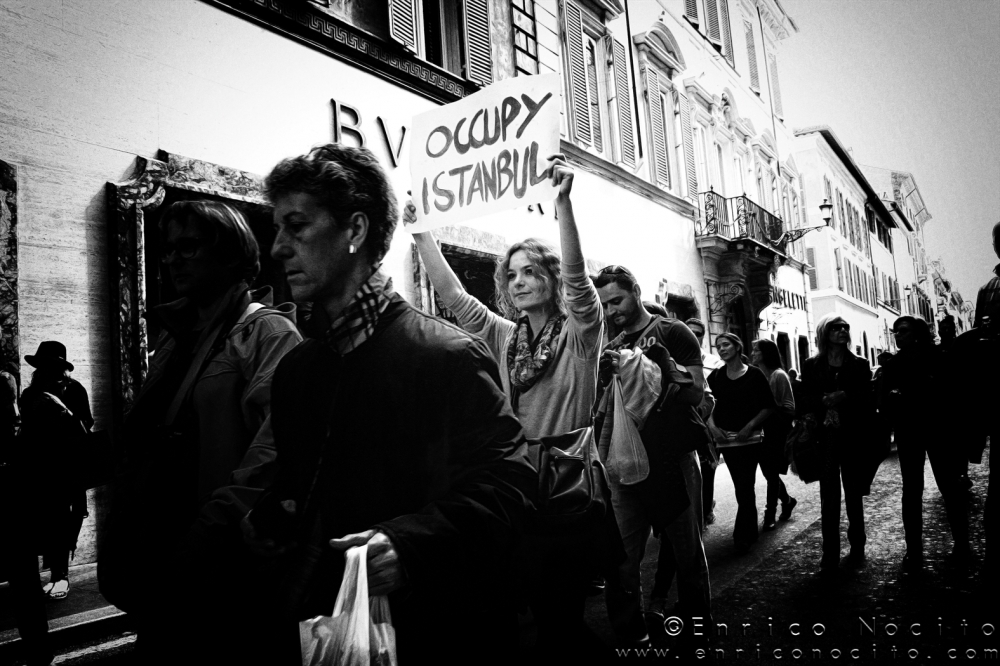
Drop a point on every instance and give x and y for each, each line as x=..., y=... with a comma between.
x=737, y=217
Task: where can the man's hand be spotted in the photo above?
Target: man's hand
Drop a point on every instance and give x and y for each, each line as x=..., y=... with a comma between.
x=385, y=572
x=611, y=360
x=260, y=545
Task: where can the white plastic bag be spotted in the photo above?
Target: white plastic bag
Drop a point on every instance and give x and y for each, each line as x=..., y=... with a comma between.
x=360, y=631
x=627, y=459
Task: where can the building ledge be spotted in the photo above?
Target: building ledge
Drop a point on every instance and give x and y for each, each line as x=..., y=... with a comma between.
x=598, y=166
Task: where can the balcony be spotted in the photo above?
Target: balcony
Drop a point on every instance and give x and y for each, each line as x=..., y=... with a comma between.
x=738, y=218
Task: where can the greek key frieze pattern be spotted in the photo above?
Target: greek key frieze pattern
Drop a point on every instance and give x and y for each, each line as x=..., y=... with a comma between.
x=330, y=29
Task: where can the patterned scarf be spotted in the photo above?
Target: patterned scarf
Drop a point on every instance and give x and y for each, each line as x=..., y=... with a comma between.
x=357, y=322
x=526, y=367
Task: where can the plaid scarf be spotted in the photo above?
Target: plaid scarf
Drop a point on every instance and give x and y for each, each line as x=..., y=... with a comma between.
x=527, y=367
x=358, y=320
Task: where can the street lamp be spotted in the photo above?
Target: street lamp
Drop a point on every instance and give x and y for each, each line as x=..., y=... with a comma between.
x=825, y=209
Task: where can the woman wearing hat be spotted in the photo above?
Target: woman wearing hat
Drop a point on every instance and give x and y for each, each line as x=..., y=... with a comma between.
x=743, y=402
x=55, y=415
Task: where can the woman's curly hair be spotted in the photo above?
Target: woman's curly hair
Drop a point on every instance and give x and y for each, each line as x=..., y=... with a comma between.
x=543, y=256
x=346, y=180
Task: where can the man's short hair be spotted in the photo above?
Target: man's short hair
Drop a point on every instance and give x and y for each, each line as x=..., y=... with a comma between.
x=921, y=330
x=618, y=274
x=345, y=180
x=229, y=235
x=694, y=321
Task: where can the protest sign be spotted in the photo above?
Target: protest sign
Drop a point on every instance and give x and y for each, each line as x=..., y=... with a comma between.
x=485, y=153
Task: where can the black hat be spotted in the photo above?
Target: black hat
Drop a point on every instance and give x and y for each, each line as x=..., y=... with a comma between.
x=50, y=354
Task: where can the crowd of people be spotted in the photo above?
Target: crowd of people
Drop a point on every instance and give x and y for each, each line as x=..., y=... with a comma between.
x=266, y=440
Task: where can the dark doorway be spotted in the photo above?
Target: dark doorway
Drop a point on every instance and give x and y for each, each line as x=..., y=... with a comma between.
x=803, y=350
x=736, y=322
x=784, y=350
x=475, y=272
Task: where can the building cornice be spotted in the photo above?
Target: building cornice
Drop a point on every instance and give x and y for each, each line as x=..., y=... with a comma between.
x=593, y=164
x=308, y=25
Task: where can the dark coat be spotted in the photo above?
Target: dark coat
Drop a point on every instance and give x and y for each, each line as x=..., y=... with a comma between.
x=852, y=445
x=46, y=454
x=407, y=434
x=910, y=390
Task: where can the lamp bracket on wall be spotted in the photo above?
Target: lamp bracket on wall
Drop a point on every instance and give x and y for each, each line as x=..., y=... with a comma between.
x=725, y=294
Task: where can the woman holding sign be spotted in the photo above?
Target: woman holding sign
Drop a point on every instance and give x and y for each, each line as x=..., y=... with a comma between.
x=548, y=345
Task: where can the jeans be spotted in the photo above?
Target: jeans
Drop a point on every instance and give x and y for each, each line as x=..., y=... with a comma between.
x=682, y=538
x=829, y=496
x=775, y=491
x=947, y=465
x=742, y=464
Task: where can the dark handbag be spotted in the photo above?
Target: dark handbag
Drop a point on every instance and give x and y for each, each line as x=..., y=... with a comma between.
x=806, y=451
x=572, y=483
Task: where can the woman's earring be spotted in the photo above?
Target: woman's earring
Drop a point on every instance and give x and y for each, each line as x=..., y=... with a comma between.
x=351, y=249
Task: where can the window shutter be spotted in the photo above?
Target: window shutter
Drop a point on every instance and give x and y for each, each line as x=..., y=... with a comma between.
x=727, y=32
x=656, y=111
x=478, y=43
x=712, y=18
x=403, y=23
x=840, y=272
x=752, y=57
x=775, y=88
x=692, y=177
x=579, y=102
x=593, y=57
x=623, y=98
x=811, y=260
x=691, y=10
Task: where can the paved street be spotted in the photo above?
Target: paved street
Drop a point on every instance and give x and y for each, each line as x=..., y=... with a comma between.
x=765, y=597
x=759, y=595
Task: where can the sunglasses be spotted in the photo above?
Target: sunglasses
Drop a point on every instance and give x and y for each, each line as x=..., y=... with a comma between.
x=840, y=327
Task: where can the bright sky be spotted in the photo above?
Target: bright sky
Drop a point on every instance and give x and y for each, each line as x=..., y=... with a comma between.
x=912, y=85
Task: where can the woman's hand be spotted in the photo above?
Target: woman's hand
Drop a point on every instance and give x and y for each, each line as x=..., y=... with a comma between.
x=718, y=434
x=745, y=434
x=410, y=217
x=385, y=572
x=561, y=174
x=833, y=399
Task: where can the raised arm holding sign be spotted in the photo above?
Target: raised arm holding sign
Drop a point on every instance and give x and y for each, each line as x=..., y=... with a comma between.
x=483, y=154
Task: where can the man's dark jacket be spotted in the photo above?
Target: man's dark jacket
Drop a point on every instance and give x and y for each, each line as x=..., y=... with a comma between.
x=409, y=434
